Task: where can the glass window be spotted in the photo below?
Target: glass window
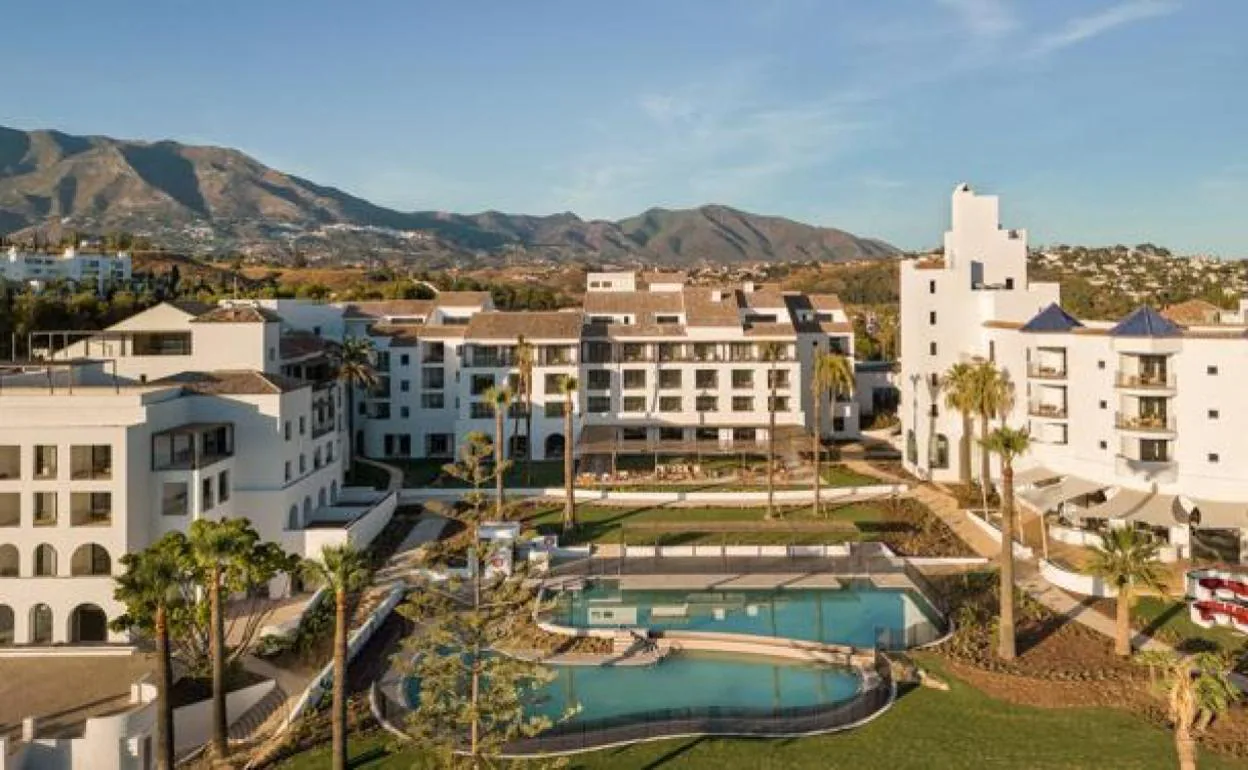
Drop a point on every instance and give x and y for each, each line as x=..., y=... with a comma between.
x=404, y=359
x=10, y=462
x=10, y=509
x=437, y=444
x=45, y=509
x=432, y=401
x=554, y=382
x=223, y=486
x=433, y=378
x=481, y=383
x=480, y=410
x=744, y=434
x=90, y=508
x=706, y=378
x=779, y=404
x=288, y=473
x=553, y=409
x=598, y=404
x=778, y=378
x=742, y=404
x=174, y=500
x=598, y=379
x=742, y=378
x=634, y=379
x=286, y=430
x=707, y=404
x=669, y=379
x=303, y=425
x=670, y=404
x=45, y=461
x=634, y=404
x=206, y=501
x=671, y=434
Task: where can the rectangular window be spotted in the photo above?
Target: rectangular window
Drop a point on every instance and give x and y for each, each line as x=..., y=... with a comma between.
x=10, y=509
x=742, y=378
x=1211, y=370
x=1104, y=445
x=778, y=378
x=435, y=352
x=598, y=404
x=931, y=348
x=779, y=403
x=553, y=409
x=173, y=499
x=91, y=462
x=303, y=464
x=404, y=412
x=288, y=474
x=438, y=445
x=45, y=461
x=205, y=498
x=931, y=287
x=10, y=462
x=598, y=379
x=707, y=404
x=1213, y=414
x=554, y=383
x=433, y=378
x=45, y=509
x=1100, y=364
x=381, y=412
x=1104, y=404
x=669, y=379
x=742, y=404
x=633, y=434
x=223, y=486
x=634, y=404
x=481, y=383
x=286, y=430
x=931, y=317
x=404, y=359
x=706, y=378
x=670, y=404
x=480, y=410
x=303, y=425
x=671, y=434
x=90, y=508
x=747, y=435
x=1213, y=457
x=432, y=401
x=405, y=386
x=634, y=379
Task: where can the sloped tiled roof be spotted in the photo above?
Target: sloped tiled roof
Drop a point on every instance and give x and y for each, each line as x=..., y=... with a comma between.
x=190, y=306
x=233, y=382
x=389, y=308
x=1052, y=319
x=238, y=314
x=702, y=309
x=1193, y=311
x=1146, y=322
x=301, y=344
x=644, y=305
x=547, y=325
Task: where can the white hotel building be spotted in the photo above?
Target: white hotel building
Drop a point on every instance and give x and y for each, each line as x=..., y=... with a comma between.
x=95, y=271
x=1133, y=423
x=187, y=411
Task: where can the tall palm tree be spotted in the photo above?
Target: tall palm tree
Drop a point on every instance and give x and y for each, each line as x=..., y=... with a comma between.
x=1197, y=688
x=344, y=570
x=958, y=386
x=771, y=353
x=525, y=359
x=1008, y=443
x=1125, y=559
x=832, y=373
x=568, y=387
x=353, y=363
x=150, y=590
x=993, y=396
x=499, y=400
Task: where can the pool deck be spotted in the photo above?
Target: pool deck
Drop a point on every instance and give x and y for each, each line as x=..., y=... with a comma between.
x=729, y=581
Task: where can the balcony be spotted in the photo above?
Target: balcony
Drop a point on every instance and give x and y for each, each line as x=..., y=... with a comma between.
x=1152, y=381
x=1046, y=371
x=1145, y=423
x=1047, y=411
x=192, y=446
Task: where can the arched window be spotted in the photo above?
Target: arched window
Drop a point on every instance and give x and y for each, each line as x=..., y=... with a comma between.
x=88, y=623
x=938, y=455
x=6, y=625
x=292, y=519
x=45, y=561
x=554, y=446
x=10, y=561
x=41, y=624
x=90, y=559
x=320, y=498
x=912, y=447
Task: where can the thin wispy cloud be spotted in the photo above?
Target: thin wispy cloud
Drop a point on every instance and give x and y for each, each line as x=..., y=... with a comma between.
x=1084, y=28
x=988, y=19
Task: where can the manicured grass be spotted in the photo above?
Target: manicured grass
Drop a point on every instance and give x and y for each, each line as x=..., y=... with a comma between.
x=601, y=523
x=423, y=473
x=925, y=729
x=1171, y=622
x=842, y=476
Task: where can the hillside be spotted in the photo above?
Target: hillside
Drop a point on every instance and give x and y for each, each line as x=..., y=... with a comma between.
x=214, y=200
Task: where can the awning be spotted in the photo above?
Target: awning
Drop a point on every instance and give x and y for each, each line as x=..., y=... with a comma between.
x=1132, y=506
x=1034, y=476
x=1050, y=496
x=1214, y=514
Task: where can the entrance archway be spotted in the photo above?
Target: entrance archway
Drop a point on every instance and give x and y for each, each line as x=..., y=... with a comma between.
x=554, y=446
x=88, y=623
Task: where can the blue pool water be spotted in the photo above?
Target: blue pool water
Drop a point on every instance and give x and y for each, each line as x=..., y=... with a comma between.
x=687, y=681
x=854, y=615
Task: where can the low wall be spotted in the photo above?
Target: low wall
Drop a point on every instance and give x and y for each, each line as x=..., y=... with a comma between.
x=1020, y=551
x=736, y=551
x=622, y=497
x=1078, y=537
x=1076, y=582
x=192, y=724
x=366, y=528
x=66, y=651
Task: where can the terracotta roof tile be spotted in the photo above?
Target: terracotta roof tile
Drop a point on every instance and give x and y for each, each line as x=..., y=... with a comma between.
x=543, y=325
x=233, y=382
x=238, y=314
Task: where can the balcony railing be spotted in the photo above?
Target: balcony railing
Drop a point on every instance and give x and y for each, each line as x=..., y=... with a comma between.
x=1056, y=411
x=1145, y=380
x=1041, y=371
x=1145, y=422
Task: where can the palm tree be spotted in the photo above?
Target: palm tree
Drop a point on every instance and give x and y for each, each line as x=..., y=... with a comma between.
x=958, y=385
x=150, y=590
x=499, y=400
x=568, y=386
x=771, y=352
x=344, y=570
x=1127, y=558
x=524, y=362
x=1197, y=689
x=832, y=373
x=1008, y=443
x=354, y=365
x=992, y=393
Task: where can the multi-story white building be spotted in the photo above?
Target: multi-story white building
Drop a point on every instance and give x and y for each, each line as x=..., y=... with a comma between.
x=95, y=271
x=1132, y=422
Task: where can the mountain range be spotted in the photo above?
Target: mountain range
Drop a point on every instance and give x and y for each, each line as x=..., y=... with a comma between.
x=214, y=200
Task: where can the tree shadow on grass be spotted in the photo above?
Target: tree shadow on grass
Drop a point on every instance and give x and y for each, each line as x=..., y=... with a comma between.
x=1037, y=633
x=1159, y=622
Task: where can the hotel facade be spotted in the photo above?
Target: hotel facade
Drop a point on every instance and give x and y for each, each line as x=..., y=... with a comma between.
x=1133, y=422
x=188, y=411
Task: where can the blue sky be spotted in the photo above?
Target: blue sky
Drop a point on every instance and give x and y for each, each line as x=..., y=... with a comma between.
x=1098, y=121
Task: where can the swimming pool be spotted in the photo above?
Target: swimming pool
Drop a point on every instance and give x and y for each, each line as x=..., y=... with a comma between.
x=858, y=614
x=686, y=682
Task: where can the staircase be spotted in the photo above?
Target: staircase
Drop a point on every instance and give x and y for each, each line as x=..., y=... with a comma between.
x=248, y=725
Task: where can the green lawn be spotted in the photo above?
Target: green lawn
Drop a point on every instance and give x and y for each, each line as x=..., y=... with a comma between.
x=365, y=475
x=601, y=523
x=1170, y=621
x=423, y=473
x=925, y=730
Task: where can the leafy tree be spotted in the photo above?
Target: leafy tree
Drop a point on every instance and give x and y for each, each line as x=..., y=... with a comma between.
x=832, y=373
x=1197, y=688
x=344, y=570
x=568, y=387
x=151, y=588
x=473, y=468
x=991, y=395
x=1008, y=443
x=499, y=400
x=1127, y=558
x=353, y=362
x=227, y=557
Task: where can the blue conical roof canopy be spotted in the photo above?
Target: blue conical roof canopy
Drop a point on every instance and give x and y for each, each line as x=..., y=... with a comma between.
x=1052, y=319
x=1146, y=322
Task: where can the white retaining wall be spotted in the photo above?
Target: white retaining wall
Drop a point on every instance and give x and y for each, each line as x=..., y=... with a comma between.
x=830, y=495
x=192, y=724
x=1020, y=551
x=1075, y=582
x=1078, y=537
